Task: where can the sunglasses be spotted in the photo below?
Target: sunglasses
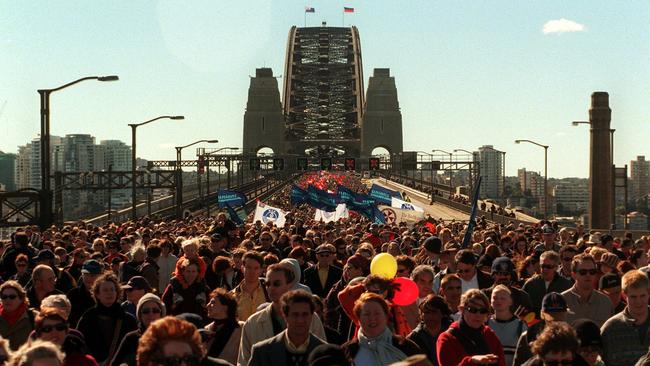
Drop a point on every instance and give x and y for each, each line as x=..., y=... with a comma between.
x=274, y=284
x=584, y=272
x=9, y=297
x=59, y=327
x=150, y=311
x=548, y=266
x=188, y=360
x=565, y=362
x=477, y=310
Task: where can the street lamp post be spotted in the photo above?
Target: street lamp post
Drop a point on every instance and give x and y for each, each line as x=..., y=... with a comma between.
x=545, y=172
x=179, y=175
x=451, y=181
x=46, y=193
x=134, y=126
x=471, y=175
x=207, y=182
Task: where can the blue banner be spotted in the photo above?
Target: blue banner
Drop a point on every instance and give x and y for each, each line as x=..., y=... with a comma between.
x=321, y=199
x=298, y=196
x=383, y=195
x=230, y=198
x=345, y=194
x=364, y=205
x=378, y=216
x=235, y=216
x=472, y=217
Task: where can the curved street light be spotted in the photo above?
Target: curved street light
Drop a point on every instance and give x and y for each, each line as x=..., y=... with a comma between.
x=46, y=202
x=179, y=174
x=545, y=172
x=451, y=181
x=133, y=158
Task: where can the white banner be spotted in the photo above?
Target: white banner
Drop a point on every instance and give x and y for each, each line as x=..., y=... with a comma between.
x=396, y=215
x=404, y=205
x=341, y=212
x=266, y=214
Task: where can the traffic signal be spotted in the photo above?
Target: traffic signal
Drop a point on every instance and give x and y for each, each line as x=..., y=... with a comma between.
x=302, y=164
x=278, y=164
x=255, y=164
x=350, y=164
x=325, y=163
x=374, y=164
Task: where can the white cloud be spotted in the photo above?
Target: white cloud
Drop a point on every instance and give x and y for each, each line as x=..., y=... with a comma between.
x=562, y=26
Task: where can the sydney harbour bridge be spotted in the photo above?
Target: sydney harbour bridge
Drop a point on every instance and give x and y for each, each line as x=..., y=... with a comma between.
x=320, y=117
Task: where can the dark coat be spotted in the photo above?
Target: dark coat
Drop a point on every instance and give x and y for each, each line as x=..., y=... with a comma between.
x=536, y=289
x=426, y=342
x=189, y=304
x=484, y=280
x=81, y=300
x=312, y=280
x=98, y=328
x=273, y=352
x=127, y=350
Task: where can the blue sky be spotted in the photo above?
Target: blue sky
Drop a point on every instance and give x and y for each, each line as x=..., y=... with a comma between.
x=468, y=73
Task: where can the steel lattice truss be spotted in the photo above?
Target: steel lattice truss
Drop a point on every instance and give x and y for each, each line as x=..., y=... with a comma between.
x=323, y=104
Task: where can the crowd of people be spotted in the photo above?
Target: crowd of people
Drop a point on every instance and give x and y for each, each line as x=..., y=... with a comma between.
x=205, y=291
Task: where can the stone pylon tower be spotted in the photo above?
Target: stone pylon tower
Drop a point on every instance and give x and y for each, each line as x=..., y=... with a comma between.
x=601, y=168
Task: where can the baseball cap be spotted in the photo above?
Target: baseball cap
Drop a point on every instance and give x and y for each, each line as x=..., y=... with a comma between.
x=554, y=302
x=548, y=229
x=609, y=280
x=588, y=333
x=138, y=283
x=502, y=264
x=92, y=266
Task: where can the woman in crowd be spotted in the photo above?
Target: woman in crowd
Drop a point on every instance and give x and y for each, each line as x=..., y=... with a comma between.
x=22, y=275
x=186, y=293
x=16, y=319
x=469, y=341
x=171, y=341
x=105, y=325
x=37, y=353
x=435, y=318
x=504, y=323
x=375, y=343
x=526, y=269
x=224, y=331
x=639, y=258
x=51, y=325
x=149, y=309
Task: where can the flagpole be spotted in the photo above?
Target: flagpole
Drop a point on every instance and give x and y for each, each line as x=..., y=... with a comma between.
x=305, y=18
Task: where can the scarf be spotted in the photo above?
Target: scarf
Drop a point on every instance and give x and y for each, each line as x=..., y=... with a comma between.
x=223, y=329
x=12, y=317
x=381, y=347
x=473, y=339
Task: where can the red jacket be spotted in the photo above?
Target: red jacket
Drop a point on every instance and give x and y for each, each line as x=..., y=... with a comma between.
x=452, y=353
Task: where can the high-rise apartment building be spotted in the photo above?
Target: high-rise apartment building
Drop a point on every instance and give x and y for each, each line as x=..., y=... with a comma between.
x=7, y=171
x=639, y=177
x=491, y=170
x=571, y=197
x=531, y=181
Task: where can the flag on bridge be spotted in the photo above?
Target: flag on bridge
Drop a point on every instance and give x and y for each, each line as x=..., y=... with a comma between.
x=309, y=9
x=266, y=214
x=237, y=216
x=340, y=213
x=230, y=198
x=345, y=194
x=383, y=195
x=321, y=199
x=397, y=215
x=298, y=195
x=405, y=205
x=348, y=10
x=472, y=217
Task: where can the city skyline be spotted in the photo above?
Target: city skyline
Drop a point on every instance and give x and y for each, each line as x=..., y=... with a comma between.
x=507, y=71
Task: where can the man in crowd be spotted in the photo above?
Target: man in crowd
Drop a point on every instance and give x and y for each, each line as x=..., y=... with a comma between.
x=549, y=280
x=293, y=345
x=81, y=297
x=503, y=273
x=626, y=335
x=251, y=292
x=321, y=277
x=610, y=285
x=268, y=322
x=583, y=300
x=471, y=277
x=43, y=285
